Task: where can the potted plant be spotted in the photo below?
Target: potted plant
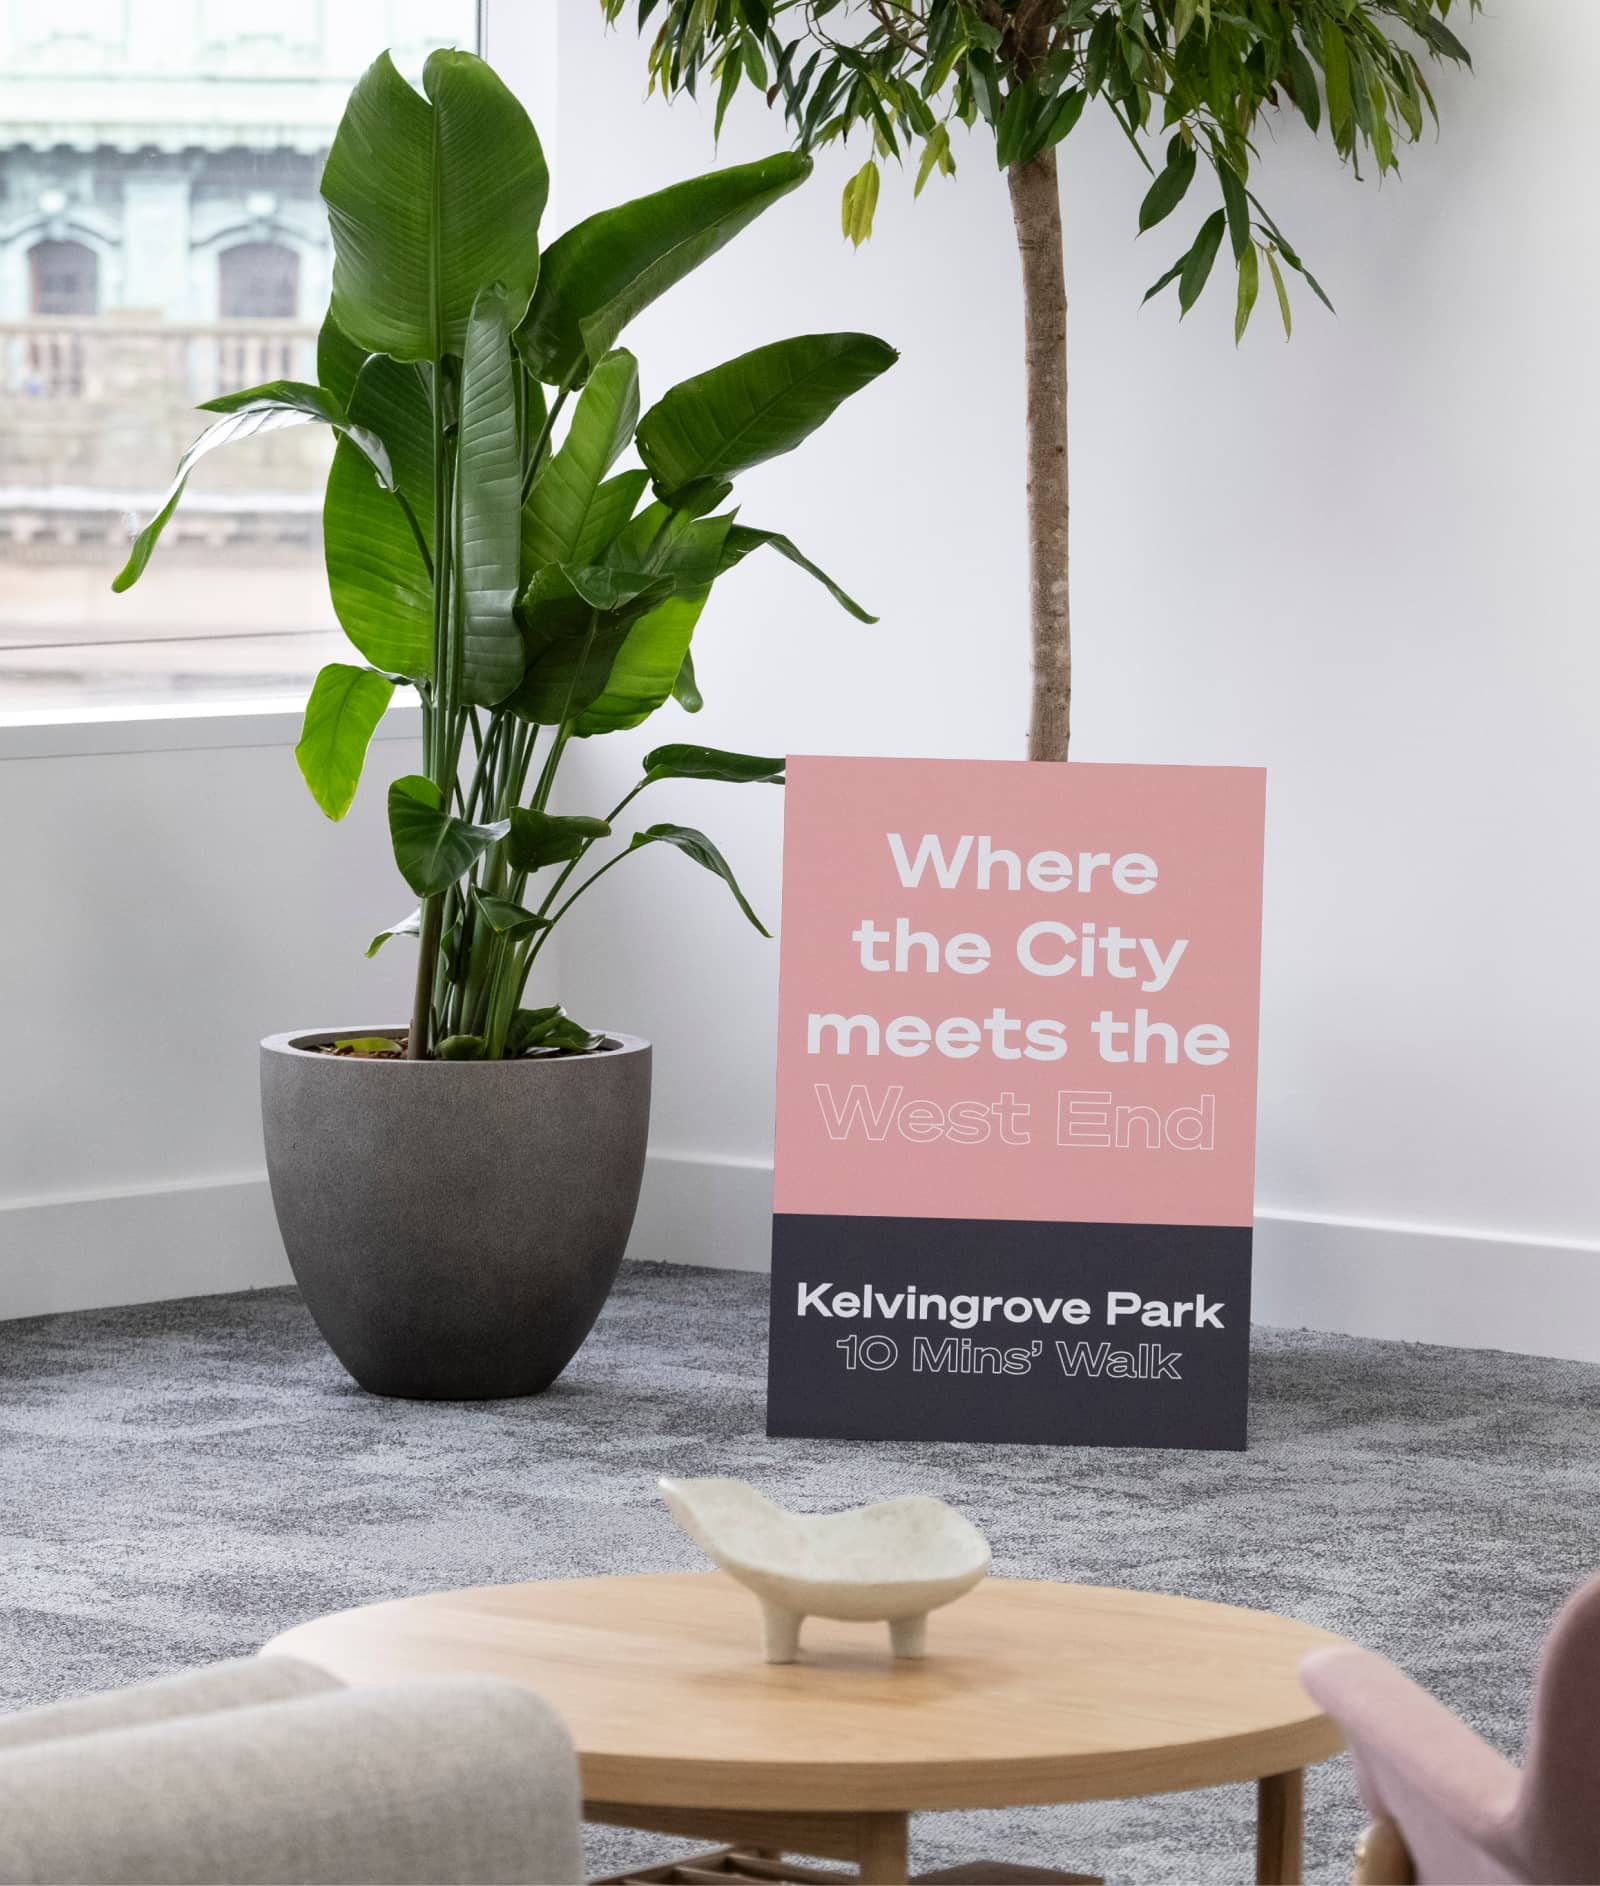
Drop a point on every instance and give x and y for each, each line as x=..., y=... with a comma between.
x=456, y=1194
x=906, y=74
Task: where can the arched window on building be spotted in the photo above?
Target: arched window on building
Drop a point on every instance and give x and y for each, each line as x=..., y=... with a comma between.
x=257, y=281
x=63, y=280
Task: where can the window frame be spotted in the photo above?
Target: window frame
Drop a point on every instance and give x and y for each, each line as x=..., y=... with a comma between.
x=523, y=42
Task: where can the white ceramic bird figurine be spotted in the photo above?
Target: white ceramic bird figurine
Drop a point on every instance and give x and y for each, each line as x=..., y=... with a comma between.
x=891, y=1563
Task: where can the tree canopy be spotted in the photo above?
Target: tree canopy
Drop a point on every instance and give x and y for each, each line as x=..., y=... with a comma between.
x=1188, y=81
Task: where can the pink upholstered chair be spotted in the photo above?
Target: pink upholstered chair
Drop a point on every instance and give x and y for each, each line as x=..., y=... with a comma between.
x=1446, y=1809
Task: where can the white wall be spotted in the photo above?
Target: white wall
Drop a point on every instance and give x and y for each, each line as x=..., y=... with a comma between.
x=1359, y=560
x=171, y=895
x=1364, y=560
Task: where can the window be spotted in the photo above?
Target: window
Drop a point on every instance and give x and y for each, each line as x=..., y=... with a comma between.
x=161, y=239
x=258, y=278
x=64, y=278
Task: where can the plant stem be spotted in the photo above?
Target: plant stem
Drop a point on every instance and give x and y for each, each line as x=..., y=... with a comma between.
x=422, y=1002
x=1036, y=212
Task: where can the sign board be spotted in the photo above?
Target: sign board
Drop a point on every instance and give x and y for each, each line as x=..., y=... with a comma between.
x=1016, y=1102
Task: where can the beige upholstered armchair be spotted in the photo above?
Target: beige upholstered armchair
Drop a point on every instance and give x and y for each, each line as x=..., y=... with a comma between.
x=269, y=1770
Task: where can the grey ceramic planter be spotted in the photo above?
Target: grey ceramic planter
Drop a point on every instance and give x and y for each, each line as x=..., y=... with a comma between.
x=454, y=1226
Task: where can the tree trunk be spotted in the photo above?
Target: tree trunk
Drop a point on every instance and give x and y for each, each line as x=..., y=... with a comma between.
x=1036, y=210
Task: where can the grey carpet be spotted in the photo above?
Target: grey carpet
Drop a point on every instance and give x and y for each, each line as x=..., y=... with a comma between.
x=181, y=1480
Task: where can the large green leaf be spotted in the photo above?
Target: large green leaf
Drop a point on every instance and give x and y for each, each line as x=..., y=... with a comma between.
x=507, y=918
x=664, y=541
x=601, y=273
x=608, y=515
x=489, y=494
x=696, y=845
x=545, y=1031
x=540, y=838
x=570, y=650
x=432, y=848
x=429, y=200
x=339, y=359
x=742, y=539
x=382, y=592
x=688, y=762
x=342, y=714
x=755, y=407
x=247, y=415
x=556, y=516
x=646, y=666
x=686, y=690
x=407, y=926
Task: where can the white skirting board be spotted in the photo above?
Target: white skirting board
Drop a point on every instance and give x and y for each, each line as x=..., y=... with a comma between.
x=138, y=1246
x=1405, y=1282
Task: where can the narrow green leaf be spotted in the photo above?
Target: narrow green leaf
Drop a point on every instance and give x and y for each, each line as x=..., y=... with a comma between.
x=1306, y=95
x=367, y=1044
x=1197, y=264
x=732, y=72
x=1163, y=281
x=742, y=539
x=433, y=849
x=697, y=846
x=1440, y=37
x=341, y=716
x=859, y=202
x=1167, y=192
x=755, y=407
x=540, y=838
x=690, y=762
x=1282, y=292
x=1237, y=206
x=489, y=497
x=1061, y=121
x=935, y=153
x=1336, y=79
x=1249, y=284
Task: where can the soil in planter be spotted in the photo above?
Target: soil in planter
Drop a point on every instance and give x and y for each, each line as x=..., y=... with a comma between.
x=397, y=1052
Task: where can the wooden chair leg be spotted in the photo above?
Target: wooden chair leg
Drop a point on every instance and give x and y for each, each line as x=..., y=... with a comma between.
x=1382, y=1857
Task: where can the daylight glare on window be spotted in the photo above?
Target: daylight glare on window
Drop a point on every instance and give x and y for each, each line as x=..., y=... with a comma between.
x=161, y=241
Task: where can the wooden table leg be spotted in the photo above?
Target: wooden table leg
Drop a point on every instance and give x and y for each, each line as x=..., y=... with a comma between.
x=1279, y=1807
x=882, y=1849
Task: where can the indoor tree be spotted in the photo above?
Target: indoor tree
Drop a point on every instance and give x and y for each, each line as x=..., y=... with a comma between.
x=1189, y=82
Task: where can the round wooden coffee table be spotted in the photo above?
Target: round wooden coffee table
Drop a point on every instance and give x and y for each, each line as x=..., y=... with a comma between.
x=1030, y=1692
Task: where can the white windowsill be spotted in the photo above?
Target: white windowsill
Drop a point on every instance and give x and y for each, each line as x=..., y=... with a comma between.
x=174, y=727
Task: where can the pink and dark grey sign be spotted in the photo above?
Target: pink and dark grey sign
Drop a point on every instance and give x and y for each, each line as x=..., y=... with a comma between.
x=1016, y=1102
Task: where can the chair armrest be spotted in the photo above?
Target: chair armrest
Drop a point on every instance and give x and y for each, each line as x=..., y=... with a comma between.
x=1417, y=1763
x=451, y=1782
x=233, y=1685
